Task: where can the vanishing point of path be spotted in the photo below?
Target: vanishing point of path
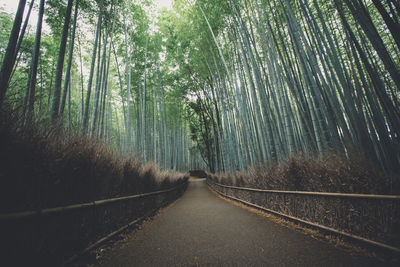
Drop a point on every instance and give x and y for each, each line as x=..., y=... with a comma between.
x=201, y=229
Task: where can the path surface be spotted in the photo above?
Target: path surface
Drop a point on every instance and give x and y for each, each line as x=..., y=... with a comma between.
x=202, y=229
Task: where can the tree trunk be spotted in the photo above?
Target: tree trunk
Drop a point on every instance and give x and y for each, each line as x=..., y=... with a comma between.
x=60, y=65
x=21, y=37
x=69, y=64
x=30, y=88
x=392, y=25
x=9, y=58
x=361, y=15
x=92, y=65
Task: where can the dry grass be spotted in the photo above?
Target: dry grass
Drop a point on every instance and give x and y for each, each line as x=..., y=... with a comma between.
x=328, y=173
x=42, y=167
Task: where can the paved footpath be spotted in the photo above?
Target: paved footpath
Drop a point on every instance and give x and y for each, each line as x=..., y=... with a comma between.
x=201, y=229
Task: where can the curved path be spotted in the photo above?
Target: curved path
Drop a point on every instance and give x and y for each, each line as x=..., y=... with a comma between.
x=202, y=229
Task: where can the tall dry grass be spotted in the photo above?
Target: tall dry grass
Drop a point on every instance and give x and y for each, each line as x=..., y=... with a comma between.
x=43, y=167
x=328, y=173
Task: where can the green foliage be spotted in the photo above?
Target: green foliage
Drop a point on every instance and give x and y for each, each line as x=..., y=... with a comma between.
x=5, y=28
x=252, y=81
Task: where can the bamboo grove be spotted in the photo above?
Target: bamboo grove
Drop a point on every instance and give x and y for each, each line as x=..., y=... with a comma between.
x=285, y=77
x=97, y=71
x=224, y=85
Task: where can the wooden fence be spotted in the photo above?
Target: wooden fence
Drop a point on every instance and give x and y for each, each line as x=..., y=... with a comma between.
x=54, y=236
x=372, y=219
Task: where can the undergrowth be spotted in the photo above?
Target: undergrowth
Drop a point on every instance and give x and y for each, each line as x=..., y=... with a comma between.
x=327, y=173
x=42, y=167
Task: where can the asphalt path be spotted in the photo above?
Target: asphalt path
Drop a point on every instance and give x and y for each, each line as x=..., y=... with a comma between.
x=201, y=229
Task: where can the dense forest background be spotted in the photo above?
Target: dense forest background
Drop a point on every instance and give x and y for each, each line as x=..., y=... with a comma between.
x=219, y=85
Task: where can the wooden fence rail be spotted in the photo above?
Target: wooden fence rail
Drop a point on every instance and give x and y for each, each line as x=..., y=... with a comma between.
x=48, y=211
x=372, y=219
x=344, y=195
x=54, y=236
